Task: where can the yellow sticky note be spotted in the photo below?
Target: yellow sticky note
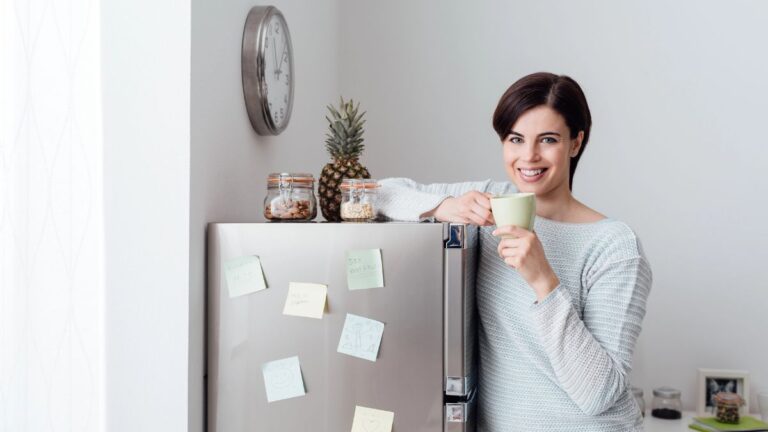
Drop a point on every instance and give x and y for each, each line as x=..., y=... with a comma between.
x=372, y=420
x=305, y=300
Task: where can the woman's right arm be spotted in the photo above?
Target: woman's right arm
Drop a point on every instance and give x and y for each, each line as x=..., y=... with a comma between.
x=405, y=200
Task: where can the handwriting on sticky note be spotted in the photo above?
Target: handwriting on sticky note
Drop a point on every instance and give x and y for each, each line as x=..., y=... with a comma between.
x=282, y=379
x=364, y=269
x=305, y=300
x=372, y=420
x=244, y=275
x=361, y=337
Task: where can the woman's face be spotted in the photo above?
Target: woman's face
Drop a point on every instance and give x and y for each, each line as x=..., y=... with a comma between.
x=538, y=150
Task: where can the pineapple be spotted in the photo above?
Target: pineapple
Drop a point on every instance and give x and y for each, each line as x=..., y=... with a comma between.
x=344, y=142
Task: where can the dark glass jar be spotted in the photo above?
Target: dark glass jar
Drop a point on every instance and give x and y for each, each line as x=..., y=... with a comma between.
x=666, y=403
x=290, y=197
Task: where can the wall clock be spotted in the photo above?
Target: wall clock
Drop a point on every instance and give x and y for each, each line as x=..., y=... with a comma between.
x=267, y=69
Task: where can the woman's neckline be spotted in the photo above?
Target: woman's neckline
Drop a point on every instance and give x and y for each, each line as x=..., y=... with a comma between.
x=555, y=222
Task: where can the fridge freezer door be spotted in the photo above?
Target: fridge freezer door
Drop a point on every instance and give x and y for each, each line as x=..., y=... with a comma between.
x=460, y=310
x=248, y=331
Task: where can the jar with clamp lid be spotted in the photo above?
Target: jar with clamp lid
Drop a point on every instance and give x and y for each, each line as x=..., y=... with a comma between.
x=290, y=197
x=727, y=407
x=358, y=199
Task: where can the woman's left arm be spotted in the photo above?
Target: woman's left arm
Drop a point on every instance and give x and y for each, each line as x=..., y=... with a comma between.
x=592, y=356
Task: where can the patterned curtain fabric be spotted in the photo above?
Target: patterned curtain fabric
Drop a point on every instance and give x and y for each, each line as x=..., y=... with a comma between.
x=51, y=272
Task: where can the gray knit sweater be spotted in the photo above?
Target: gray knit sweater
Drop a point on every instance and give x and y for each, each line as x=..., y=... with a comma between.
x=561, y=364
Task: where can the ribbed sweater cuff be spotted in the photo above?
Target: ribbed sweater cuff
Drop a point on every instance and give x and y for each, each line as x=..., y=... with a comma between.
x=550, y=313
x=407, y=204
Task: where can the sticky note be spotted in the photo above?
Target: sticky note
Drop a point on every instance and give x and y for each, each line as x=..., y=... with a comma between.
x=364, y=269
x=282, y=379
x=361, y=337
x=244, y=275
x=372, y=420
x=305, y=300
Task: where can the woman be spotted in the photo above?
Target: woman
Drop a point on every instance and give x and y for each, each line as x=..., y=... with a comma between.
x=560, y=307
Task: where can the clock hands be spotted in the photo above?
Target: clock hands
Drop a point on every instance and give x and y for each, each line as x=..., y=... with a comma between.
x=274, y=55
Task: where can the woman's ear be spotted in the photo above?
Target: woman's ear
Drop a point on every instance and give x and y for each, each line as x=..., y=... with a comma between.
x=576, y=147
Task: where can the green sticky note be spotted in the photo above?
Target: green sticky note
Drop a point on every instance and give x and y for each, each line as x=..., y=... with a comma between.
x=364, y=269
x=244, y=275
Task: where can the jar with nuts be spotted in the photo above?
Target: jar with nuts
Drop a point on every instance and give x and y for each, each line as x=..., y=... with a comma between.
x=358, y=199
x=290, y=197
x=727, y=407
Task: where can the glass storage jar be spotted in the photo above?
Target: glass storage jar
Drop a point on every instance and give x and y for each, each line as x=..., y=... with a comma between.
x=727, y=407
x=358, y=199
x=638, y=394
x=290, y=197
x=666, y=403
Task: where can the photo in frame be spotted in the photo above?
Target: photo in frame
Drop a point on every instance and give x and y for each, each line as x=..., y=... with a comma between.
x=713, y=381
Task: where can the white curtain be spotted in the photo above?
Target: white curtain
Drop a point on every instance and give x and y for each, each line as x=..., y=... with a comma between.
x=51, y=260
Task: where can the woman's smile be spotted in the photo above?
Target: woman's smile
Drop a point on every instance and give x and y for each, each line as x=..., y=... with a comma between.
x=531, y=175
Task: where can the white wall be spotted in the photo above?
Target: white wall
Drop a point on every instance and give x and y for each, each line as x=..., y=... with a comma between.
x=229, y=162
x=677, y=92
x=146, y=107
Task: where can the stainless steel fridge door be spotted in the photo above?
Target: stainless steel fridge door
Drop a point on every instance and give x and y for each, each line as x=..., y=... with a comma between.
x=245, y=332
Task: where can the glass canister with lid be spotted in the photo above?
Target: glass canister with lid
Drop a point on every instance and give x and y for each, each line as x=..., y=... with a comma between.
x=666, y=403
x=638, y=395
x=358, y=199
x=290, y=197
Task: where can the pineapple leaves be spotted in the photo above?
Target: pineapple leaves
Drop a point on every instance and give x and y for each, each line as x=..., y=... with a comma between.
x=344, y=140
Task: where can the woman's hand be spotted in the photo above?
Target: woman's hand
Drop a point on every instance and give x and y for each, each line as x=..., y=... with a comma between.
x=473, y=207
x=522, y=250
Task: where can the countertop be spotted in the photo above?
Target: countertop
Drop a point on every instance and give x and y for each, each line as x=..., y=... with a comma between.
x=653, y=424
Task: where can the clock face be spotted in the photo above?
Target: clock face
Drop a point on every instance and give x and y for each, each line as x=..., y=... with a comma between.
x=277, y=69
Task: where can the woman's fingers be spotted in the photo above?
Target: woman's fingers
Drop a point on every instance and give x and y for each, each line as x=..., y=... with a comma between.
x=510, y=231
x=483, y=213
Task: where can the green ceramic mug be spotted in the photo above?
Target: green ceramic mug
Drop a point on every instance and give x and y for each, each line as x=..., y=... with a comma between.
x=517, y=209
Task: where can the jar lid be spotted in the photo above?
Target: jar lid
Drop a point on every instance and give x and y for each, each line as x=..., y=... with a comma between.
x=347, y=184
x=298, y=178
x=667, y=392
x=728, y=398
x=637, y=391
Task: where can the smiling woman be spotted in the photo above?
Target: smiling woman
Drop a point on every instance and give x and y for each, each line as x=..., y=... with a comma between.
x=560, y=306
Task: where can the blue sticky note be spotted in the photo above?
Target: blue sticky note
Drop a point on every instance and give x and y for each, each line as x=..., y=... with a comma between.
x=364, y=269
x=361, y=337
x=244, y=275
x=282, y=379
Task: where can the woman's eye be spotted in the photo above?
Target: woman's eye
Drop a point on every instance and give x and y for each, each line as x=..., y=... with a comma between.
x=549, y=140
x=515, y=140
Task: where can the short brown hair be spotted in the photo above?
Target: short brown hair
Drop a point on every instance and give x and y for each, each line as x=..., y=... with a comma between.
x=558, y=92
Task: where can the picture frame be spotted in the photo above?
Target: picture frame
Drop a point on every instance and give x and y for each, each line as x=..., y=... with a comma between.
x=711, y=381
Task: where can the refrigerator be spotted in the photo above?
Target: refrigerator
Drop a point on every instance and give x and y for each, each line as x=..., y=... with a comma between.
x=424, y=371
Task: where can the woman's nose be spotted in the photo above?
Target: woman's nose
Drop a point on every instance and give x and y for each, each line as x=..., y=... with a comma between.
x=531, y=152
